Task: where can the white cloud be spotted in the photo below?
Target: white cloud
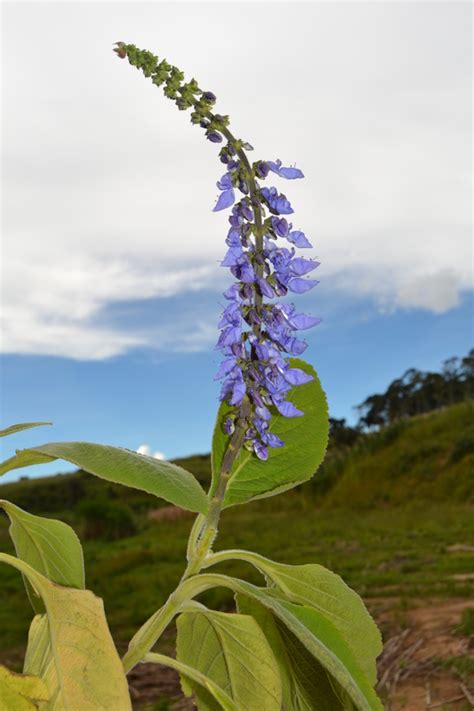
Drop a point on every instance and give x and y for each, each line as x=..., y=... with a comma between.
x=146, y=450
x=108, y=189
x=437, y=292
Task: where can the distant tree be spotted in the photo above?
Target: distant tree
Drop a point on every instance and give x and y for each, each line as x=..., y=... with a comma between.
x=417, y=392
x=373, y=412
x=341, y=434
x=451, y=372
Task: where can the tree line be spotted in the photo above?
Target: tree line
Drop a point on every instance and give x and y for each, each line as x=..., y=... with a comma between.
x=414, y=393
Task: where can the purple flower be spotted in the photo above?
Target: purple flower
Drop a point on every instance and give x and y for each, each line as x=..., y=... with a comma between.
x=261, y=169
x=214, y=136
x=227, y=196
x=277, y=203
x=256, y=336
x=299, y=286
x=225, y=199
x=300, y=266
x=298, y=239
x=287, y=409
x=209, y=97
x=260, y=450
x=289, y=173
x=296, y=376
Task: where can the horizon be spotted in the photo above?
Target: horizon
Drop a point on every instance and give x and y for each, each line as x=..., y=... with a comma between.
x=113, y=337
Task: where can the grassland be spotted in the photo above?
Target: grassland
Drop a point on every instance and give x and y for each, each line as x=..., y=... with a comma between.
x=393, y=515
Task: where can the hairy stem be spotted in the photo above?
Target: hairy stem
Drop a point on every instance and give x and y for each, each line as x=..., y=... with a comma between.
x=208, y=531
x=147, y=636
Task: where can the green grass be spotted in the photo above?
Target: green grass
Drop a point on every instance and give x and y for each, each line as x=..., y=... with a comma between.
x=466, y=626
x=381, y=514
x=429, y=457
x=391, y=552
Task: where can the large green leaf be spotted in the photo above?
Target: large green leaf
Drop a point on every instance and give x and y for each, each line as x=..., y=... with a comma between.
x=305, y=441
x=50, y=547
x=233, y=652
x=307, y=685
x=21, y=426
x=20, y=692
x=71, y=648
x=193, y=676
x=311, y=628
x=121, y=466
x=315, y=586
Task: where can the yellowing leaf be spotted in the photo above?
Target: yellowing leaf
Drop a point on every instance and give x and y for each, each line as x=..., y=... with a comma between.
x=72, y=649
x=20, y=692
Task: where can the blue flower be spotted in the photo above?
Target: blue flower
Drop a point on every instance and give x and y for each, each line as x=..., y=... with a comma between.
x=257, y=335
x=277, y=203
x=298, y=239
x=227, y=196
x=289, y=173
x=300, y=286
x=214, y=136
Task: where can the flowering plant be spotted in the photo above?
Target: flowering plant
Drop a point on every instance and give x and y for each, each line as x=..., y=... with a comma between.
x=302, y=639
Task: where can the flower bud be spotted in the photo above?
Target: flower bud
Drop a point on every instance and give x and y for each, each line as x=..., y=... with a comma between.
x=214, y=137
x=209, y=97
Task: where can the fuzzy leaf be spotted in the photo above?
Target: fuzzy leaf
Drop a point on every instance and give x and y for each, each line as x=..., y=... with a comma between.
x=193, y=676
x=19, y=692
x=315, y=586
x=233, y=652
x=51, y=547
x=305, y=441
x=21, y=426
x=71, y=648
x=163, y=479
x=307, y=685
x=319, y=637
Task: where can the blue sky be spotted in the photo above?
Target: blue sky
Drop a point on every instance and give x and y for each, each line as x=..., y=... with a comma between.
x=169, y=401
x=110, y=273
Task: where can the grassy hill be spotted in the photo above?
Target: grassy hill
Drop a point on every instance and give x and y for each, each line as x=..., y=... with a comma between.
x=391, y=514
x=428, y=457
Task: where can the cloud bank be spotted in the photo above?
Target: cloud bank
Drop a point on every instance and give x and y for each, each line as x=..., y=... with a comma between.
x=108, y=190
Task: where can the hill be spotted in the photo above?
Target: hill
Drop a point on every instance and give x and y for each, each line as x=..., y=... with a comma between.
x=427, y=457
x=390, y=513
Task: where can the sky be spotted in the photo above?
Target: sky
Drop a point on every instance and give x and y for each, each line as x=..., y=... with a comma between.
x=111, y=283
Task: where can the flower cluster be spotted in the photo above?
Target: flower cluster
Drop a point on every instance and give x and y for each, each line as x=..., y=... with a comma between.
x=257, y=333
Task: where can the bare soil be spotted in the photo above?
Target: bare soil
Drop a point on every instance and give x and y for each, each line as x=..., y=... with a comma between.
x=414, y=673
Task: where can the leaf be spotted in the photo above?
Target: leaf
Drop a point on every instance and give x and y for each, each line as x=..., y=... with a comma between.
x=193, y=675
x=315, y=586
x=39, y=659
x=121, y=466
x=305, y=441
x=318, y=635
x=19, y=692
x=24, y=458
x=21, y=426
x=307, y=685
x=51, y=547
x=232, y=651
x=71, y=648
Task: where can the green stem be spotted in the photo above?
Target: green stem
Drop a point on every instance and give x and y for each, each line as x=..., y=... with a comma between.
x=150, y=632
x=204, y=530
x=208, y=531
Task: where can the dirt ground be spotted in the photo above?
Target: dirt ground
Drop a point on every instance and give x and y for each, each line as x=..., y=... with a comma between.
x=415, y=671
